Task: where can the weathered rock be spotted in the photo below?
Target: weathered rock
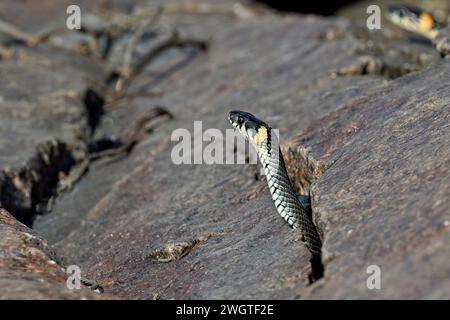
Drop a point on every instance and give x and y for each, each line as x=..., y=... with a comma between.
x=44, y=122
x=29, y=268
x=442, y=41
x=132, y=208
x=371, y=152
x=23, y=189
x=379, y=168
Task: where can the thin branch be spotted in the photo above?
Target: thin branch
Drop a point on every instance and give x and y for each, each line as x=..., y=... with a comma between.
x=123, y=21
x=173, y=42
x=127, y=66
x=76, y=173
x=28, y=38
x=14, y=32
x=236, y=10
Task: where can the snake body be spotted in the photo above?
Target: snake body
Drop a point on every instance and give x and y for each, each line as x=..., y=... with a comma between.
x=283, y=194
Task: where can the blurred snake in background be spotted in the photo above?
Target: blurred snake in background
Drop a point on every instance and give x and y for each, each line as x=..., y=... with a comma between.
x=283, y=194
x=415, y=20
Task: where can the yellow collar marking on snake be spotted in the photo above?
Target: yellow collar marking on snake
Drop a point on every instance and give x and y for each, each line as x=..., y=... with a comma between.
x=260, y=135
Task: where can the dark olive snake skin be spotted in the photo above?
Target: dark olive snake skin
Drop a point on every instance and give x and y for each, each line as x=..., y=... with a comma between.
x=283, y=194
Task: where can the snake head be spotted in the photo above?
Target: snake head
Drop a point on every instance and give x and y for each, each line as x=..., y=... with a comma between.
x=414, y=19
x=250, y=126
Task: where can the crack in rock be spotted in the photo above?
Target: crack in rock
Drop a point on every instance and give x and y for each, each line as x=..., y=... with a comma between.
x=24, y=189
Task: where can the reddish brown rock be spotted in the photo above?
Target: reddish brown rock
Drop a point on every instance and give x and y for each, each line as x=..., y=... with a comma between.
x=29, y=268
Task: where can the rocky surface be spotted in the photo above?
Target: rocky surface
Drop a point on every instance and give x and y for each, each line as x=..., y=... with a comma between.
x=372, y=164
x=365, y=138
x=29, y=268
x=45, y=102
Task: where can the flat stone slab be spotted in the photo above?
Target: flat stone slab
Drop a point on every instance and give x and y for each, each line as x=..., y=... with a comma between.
x=29, y=268
x=378, y=171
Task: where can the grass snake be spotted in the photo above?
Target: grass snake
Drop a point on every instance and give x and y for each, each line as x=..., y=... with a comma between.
x=283, y=194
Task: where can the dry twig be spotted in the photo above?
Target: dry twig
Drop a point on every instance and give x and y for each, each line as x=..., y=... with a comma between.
x=132, y=135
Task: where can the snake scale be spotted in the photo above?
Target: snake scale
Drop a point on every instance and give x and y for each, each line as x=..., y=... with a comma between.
x=283, y=194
